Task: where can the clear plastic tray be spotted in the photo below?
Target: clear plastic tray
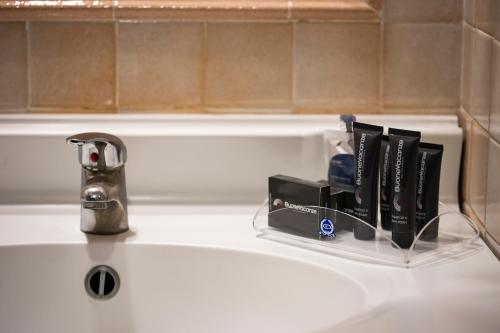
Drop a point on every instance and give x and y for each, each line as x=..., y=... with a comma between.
x=457, y=237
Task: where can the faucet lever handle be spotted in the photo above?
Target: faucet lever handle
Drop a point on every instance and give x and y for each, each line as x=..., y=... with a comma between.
x=99, y=151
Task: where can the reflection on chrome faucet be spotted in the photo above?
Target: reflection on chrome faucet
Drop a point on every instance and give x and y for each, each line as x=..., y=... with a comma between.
x=103, y=194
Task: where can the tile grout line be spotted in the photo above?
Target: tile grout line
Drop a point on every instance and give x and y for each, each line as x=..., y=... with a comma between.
x=493, y=40
x=487, y=176
x=475, y=32
x=475, y=123
x=490, y=84
x=116, y=96
x=478, y=124
x=114, y=4
x=204, y=62
x=381, y=61
x=117, y=68
x=462, y=67
x=294, y=69
x=471, y=87
x=28, y=65
x=293, y=92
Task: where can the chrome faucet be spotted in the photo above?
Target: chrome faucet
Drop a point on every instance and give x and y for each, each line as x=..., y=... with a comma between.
x=103, y=195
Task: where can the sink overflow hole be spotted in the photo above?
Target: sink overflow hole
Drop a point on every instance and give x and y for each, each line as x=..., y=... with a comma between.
x=102, y=282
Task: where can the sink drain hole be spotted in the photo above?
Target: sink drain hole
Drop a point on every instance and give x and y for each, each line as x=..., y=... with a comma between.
x=102, y=282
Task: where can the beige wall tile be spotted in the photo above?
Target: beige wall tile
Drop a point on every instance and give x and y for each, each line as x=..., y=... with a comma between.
x=13, y=66
x=470, y=11
x=488, y=16
x=481, y=78
x=496, y=21
x=468, y=42
x=478, y=170
x=422, y=65
x=493, y=203
x=160, y=65
x=495, y=93
x=337, y=65
x=423, y=10
x=249, y=65
x=73, y=64
x=465, y=121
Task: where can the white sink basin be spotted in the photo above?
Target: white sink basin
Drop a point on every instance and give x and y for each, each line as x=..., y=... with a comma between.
x=192, y=262
x=168, y=288
x=202, y=269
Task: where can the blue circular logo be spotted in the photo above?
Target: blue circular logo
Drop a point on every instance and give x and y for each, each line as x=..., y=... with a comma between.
x=327, y=228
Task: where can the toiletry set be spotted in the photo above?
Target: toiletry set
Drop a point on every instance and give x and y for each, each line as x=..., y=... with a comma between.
x=396, y=175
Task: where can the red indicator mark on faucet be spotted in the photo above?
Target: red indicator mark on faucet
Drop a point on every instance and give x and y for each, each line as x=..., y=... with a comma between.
x=94, y=157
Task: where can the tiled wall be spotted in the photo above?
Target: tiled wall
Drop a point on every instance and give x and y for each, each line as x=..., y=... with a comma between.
x=319, y=57
x=412, y=56
x=480, y=116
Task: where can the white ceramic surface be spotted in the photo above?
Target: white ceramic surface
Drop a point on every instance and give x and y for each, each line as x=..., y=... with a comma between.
x=201, y=269
x=169, y=288
x=191, y=158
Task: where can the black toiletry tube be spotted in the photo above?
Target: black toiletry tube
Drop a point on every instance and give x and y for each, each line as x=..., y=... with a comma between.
x=428, y=174
x=385, y=183
x=404, y=153
x=366, y=156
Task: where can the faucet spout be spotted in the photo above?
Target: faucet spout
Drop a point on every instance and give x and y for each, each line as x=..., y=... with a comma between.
x=94, y=197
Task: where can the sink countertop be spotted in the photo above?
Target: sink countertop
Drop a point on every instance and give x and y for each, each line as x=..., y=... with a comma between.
x=450, y=295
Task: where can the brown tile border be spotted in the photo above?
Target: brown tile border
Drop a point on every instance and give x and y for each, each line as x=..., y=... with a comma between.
x=55, y=4
x=56, y=14
x=217, y=10
x=202, y=10
x=226, y=14
x=56, y=10
x=335, y=10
